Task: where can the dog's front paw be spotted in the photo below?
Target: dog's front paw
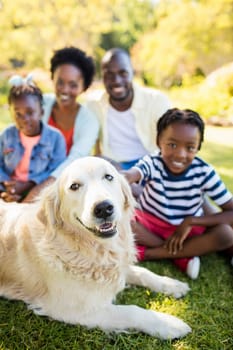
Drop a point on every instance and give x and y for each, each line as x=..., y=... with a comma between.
x=176, y=288
x=170, y=327
x=38, y=310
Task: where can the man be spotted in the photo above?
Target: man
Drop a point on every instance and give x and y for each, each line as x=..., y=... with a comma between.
x=127, y=112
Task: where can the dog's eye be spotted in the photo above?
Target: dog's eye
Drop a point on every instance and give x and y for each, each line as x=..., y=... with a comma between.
x=108, y=177
x=74, y=187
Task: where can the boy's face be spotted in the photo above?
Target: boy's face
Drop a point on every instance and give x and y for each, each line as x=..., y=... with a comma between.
x=27, y=112
x=117, y=77
x=179, y=144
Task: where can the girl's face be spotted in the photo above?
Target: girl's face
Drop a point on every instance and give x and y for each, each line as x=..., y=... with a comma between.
x=69, y=84
x=179, y=144
x=27, y=113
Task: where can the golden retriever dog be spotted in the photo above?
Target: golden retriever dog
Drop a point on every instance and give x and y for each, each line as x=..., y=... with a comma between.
x=68, y=254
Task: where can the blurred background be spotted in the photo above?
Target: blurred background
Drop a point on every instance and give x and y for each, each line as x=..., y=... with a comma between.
x=181, y=46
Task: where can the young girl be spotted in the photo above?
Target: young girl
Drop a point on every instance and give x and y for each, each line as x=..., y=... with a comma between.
x=170, y=222
x=29, y=150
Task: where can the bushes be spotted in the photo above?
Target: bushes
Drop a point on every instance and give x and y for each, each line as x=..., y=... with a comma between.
x=213, y=97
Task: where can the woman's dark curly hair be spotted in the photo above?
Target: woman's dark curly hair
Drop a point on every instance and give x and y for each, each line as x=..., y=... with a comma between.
x=76, y=57
x=185, y=116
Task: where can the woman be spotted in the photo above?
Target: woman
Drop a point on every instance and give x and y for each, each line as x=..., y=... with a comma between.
x=72, y=72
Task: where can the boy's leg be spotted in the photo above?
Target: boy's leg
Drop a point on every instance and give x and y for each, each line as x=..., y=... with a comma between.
x=215, y=239
x=145, y=237
x=229, y=251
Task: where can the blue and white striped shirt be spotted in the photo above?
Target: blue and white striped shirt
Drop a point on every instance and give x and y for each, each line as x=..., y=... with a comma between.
x=173, y=197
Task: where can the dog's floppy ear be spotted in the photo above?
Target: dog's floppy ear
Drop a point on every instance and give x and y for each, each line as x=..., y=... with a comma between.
x=48, y=213
x=129, y=202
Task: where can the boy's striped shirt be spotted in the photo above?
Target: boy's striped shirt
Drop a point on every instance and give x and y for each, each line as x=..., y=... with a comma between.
x=173, y=197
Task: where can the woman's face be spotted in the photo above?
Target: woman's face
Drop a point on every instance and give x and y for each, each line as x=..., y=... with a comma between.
x=69, y=84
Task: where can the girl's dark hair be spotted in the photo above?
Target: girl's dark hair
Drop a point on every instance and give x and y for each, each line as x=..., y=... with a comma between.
x=185, y=116
x=76, y=57
x=26, y=89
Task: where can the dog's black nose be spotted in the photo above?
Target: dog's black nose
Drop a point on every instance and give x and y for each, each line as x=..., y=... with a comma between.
x=103, y=210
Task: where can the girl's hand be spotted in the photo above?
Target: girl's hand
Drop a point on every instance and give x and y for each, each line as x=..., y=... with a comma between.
x=15, y=190
x=11, y=197
x=175, y=242
x=10, y=187
x=18, y=187
x=10, y=194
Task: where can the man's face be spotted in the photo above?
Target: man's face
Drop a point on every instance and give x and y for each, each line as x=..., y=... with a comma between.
x=117, y=77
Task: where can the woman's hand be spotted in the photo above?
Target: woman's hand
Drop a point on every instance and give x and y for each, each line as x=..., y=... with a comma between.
x=175, y=242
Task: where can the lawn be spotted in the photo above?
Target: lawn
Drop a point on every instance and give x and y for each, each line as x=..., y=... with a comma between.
x=207, y=308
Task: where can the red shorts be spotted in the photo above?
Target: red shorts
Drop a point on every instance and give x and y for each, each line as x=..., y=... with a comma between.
x=164, y=230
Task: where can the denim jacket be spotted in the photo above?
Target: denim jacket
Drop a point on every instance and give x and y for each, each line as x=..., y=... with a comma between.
x=46, y=155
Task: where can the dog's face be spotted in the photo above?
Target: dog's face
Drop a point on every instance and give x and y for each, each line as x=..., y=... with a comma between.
x=92, y=194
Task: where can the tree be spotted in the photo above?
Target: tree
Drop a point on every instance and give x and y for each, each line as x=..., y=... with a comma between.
x=192, y=37
x=130, y=19
x=33, y=29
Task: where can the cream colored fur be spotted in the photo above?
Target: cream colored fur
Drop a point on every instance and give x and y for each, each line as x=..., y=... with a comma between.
x=54, y=257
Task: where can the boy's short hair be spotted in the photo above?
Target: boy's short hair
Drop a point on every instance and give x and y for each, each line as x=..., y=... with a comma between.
x=185, y=116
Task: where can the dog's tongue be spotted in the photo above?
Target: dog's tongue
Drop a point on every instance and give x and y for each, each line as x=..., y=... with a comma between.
x=106, y=227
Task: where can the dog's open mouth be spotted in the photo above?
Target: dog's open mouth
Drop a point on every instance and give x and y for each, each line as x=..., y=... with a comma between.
x=105, y=230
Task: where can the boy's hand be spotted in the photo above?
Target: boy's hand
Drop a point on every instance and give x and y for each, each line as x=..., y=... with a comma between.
x=175, y=242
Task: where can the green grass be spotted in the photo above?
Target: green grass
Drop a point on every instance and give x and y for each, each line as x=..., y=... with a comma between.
x=207, y=308
x=217, y=150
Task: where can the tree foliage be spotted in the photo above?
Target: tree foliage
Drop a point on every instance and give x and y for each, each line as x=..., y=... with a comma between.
x=33, y=29
x=129, y=20
x=168, y=39
x=192, y=37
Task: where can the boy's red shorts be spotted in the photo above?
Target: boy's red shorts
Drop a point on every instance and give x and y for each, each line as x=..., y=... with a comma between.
x=164, y=230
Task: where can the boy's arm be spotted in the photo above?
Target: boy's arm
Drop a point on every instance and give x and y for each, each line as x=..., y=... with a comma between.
x=223, y=217
x=175, y=241
x=131, y=175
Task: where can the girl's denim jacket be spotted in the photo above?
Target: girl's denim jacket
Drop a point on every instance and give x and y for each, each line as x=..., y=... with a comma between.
x=46, y=155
